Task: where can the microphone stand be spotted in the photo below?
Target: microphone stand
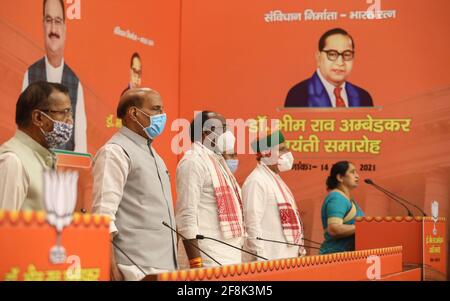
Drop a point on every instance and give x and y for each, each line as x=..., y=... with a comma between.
x=398, y=198
x=222, y=242
x=389, y=194
x=191, y=244
x=128, y=257
x=312, y=241
x=286, y=243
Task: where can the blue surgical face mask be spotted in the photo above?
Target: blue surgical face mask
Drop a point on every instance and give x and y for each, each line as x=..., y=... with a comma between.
x=157, y=124
x=232, y=164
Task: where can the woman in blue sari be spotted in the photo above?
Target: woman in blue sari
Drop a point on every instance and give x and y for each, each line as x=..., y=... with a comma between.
x=339, y=210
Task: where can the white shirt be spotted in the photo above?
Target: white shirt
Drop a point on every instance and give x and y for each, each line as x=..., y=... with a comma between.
x=15, y=182
x=15, y=178
x=196, y=209
x=262, y=217
x=110, y=170
x=330, y=90
x=54, y=75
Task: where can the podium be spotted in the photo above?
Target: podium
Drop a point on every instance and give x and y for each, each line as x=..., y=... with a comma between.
x=424, y=241
x=345, y=266
x=31, y=248
x=26, y=239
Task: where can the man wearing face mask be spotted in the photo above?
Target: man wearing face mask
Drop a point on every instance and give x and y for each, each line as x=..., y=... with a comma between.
x=209, y=197
x=44, y=120
x=270, y=211
x=132, y=186
x=232, y=161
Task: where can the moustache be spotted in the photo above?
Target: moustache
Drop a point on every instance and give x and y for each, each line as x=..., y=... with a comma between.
x=52, y=34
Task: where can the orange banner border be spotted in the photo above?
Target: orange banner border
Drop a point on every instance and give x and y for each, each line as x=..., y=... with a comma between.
x=273, y=265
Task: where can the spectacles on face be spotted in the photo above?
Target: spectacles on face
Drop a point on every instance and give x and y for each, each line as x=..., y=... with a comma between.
x=49, y=21
x=64, y=113
x=157, y=109
x=333, y=55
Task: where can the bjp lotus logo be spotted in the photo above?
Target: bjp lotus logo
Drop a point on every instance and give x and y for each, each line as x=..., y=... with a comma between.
x=60, y=195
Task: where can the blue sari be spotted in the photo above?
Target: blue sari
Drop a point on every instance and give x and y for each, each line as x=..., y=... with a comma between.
x=338, y=206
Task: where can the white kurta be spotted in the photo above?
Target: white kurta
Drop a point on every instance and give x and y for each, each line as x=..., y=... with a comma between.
x=262, y=217
x=196, y=211
x=15, y=183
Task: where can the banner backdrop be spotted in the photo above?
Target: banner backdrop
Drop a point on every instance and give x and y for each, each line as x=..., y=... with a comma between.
x=241, y=58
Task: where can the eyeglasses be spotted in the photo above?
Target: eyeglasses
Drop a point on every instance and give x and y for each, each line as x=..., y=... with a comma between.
x=158, y=109
x=65, y=112
x=333, y=55
x=58, y=21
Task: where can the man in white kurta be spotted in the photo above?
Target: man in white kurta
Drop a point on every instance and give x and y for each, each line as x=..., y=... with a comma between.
x=262, y=191
x=197, y=209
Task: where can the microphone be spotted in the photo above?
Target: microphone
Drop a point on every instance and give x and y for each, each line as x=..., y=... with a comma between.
x=190, y=243
x=392, y=195
x=398, y=197
x=199, y=236
x=308, y=240
x=286, y=243
x=128, y=257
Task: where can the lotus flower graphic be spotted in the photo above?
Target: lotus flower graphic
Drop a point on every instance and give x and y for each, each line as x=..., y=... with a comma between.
x=60, y=195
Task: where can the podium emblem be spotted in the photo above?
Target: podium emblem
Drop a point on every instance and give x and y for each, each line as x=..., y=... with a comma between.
x=60, y=195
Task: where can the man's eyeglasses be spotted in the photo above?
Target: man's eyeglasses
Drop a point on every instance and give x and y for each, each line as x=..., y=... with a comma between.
x=333, y=55
x=65, y=112
x=158, y=109
x=58, y=21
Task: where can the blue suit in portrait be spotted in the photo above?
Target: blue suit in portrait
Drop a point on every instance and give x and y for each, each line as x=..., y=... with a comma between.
x=312, y=93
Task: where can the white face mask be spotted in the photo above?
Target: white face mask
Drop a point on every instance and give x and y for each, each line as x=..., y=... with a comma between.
x=225, y=142
x=285, y=162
